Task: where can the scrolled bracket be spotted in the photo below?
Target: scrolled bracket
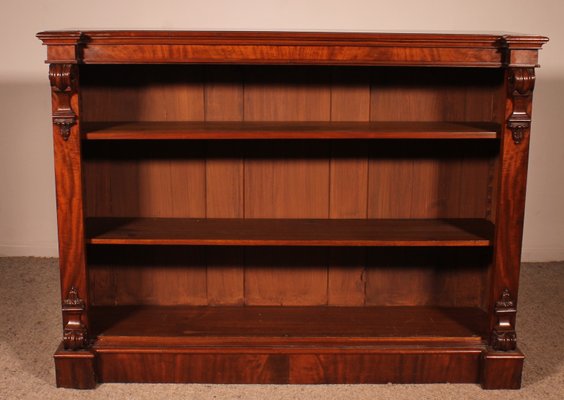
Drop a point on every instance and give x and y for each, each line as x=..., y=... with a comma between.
x=63, y=78
x=522, y=81
x=504, y=337
x=521, y=86
x=74, y=332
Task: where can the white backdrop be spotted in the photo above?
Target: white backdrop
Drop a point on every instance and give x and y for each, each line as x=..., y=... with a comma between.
x=27, y=198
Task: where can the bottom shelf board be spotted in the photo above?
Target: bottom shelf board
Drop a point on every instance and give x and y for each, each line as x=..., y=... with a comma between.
x=248, y=326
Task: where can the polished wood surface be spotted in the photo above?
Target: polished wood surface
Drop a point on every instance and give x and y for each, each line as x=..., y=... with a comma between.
x=283, y=326
x=281, y=130
x=289, y=232
x=502, y=370
x=201, y=242
x=433, y=49
x=65, y=83
x=438, y=366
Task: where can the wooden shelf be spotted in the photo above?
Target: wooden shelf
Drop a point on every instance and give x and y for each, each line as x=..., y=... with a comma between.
x=289, y=130
x=290, y=232
x=283, y=326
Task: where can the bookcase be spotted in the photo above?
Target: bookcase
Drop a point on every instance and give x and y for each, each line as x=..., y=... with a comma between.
x=275, y=207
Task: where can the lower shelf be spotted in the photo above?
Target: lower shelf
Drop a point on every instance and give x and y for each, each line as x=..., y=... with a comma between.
x=290, y=232
x=260, y=326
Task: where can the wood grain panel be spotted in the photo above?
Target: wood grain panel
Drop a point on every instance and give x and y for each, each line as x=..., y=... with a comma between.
x=97, y=186
x=187, y=182
x=408, y=367
x=224, y=193
x=148, y=275
x=442, y=179
x=416, y=94
x=390, y=179
x=346, y=277
x=291, y=181
x=287, y=94
x=155, y=367
x=143, y=93
x=502, y=370
x=409, y=272
x=451, y=277
x=287, y=180
x=148, y=179
x=224, y=184
x=350, y=101
x=75, y=369
x=286, y=276
x=399, y=366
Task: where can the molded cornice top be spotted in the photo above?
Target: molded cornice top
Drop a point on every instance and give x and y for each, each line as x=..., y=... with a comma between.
x=432, y=49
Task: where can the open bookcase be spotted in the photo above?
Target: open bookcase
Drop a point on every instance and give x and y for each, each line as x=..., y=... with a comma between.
x=290, y=207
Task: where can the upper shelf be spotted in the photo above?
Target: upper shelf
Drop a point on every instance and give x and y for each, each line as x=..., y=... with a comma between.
x=289, y=130
x=337, y=48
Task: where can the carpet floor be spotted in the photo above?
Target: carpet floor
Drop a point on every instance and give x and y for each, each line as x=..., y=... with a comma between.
x=30, y=331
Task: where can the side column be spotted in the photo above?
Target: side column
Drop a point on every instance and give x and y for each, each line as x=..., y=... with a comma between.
x=503, y=362
x=73, y=362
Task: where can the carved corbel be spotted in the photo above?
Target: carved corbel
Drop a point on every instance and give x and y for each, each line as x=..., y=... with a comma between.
x=74, y=333
x=503, y=336
x=521, y=85
x=63, y=86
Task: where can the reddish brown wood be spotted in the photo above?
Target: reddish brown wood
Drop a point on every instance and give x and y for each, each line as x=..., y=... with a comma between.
x=286, y=179
x=191, y=368
x=68, y=175
x=224, y=185
x=420, y=239
x=426, y=276
x=510, y=214
x=502, y=370
x=75, y=369
x=408, y=367
x=289, y=232
x=280, y=326
x=272, y=130
x=420, y=366
x=477, y=50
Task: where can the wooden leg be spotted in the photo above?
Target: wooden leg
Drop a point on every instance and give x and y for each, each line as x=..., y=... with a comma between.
x=502, y=370
x=74, y=369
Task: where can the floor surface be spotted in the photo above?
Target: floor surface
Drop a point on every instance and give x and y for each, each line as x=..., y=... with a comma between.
x=30, y=331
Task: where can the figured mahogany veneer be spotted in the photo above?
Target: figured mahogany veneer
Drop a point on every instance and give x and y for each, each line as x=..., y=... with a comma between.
x=290, y=207
x=434, y=49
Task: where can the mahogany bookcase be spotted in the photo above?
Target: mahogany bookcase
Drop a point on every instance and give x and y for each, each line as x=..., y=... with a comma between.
x=274, y=207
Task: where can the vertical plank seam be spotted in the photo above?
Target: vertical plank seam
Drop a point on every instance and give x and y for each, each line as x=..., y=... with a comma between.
x=243, y=194
x=244, y=155
x=367, y=148
x=205, y=150
x=364, y=275
x=329, y=251
x=365, y=252
x=331, y=143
